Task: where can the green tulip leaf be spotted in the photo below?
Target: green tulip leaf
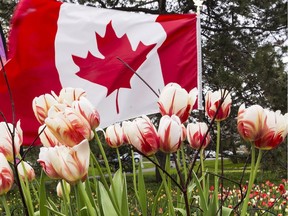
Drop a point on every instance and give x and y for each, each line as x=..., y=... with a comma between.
x=106, y=203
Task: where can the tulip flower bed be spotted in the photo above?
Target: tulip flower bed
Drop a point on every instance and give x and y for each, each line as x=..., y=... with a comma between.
x=266, y=199
x=69, y=127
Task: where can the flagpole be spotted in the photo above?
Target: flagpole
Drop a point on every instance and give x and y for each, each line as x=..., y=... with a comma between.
x=3, y=50
x=198, y=4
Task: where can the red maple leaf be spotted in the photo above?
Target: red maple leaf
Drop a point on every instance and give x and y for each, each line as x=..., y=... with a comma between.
x=110, y=71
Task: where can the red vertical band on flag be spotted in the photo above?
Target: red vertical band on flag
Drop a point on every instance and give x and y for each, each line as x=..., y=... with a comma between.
x=32, y=54
x=179, y=61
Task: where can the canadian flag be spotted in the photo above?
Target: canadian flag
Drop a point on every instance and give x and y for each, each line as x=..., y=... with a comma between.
x=54, y=45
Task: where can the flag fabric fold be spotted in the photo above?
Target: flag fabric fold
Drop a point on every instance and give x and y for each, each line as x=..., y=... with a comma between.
x=54, y=45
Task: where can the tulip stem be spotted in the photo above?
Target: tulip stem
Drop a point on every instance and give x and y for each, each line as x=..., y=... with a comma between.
x=119, y=159
x=6, y=207
x=86, y=199
x=253, y=173
x=216, y=186
x=203, y=170
x=104, y=156
x=166, y=186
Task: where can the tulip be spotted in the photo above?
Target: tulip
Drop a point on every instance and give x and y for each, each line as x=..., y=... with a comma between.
x=114, y=135
x=24, y=169
x=142, y=134
x=62, y=162
x=47, y=138
x=41, y=105
x=213, y=101
x=184, y=133
x=266, y=129
x=6, y=140
x=68, y=95
x=68, y=126
x=86, y=109
x=196, y=135
x=251, y=122
x=170, y=133
x=274, y=132
x=176, y=100
x=59, y=188
x=6, y=175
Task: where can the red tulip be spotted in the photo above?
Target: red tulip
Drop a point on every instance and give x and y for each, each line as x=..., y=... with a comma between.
x=176, y=100
x=212, y=102
x=142, y=134
x=196, y=134
x=170, y=133
x=6, y=140
x=6, y=175
x=114, y=135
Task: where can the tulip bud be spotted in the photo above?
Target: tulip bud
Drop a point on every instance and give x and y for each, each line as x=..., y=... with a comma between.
x=6, y=140
x=212, y=102
x=86, y=109
x=24, y=169
x=196, y=134
x=170, y=133
x=142, y=134
x=59, y=188
x=68, y=95
x=176, y=100
x=41, y=105
x=6, y=175
x=114, y=135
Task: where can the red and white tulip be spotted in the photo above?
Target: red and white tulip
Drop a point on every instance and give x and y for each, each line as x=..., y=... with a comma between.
x=176, y=100
x=68, y=126
x=142, y=134
x=6, y=175
x=68, y=95
x=213, y=103
x=47, y=138
x=86, y=109
x=197, y=135
x=6, y=144
x=170, y=133
x=41, y=105
x=62, y=162
x=25, y=169
x=265, y=128
x=114, y=135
